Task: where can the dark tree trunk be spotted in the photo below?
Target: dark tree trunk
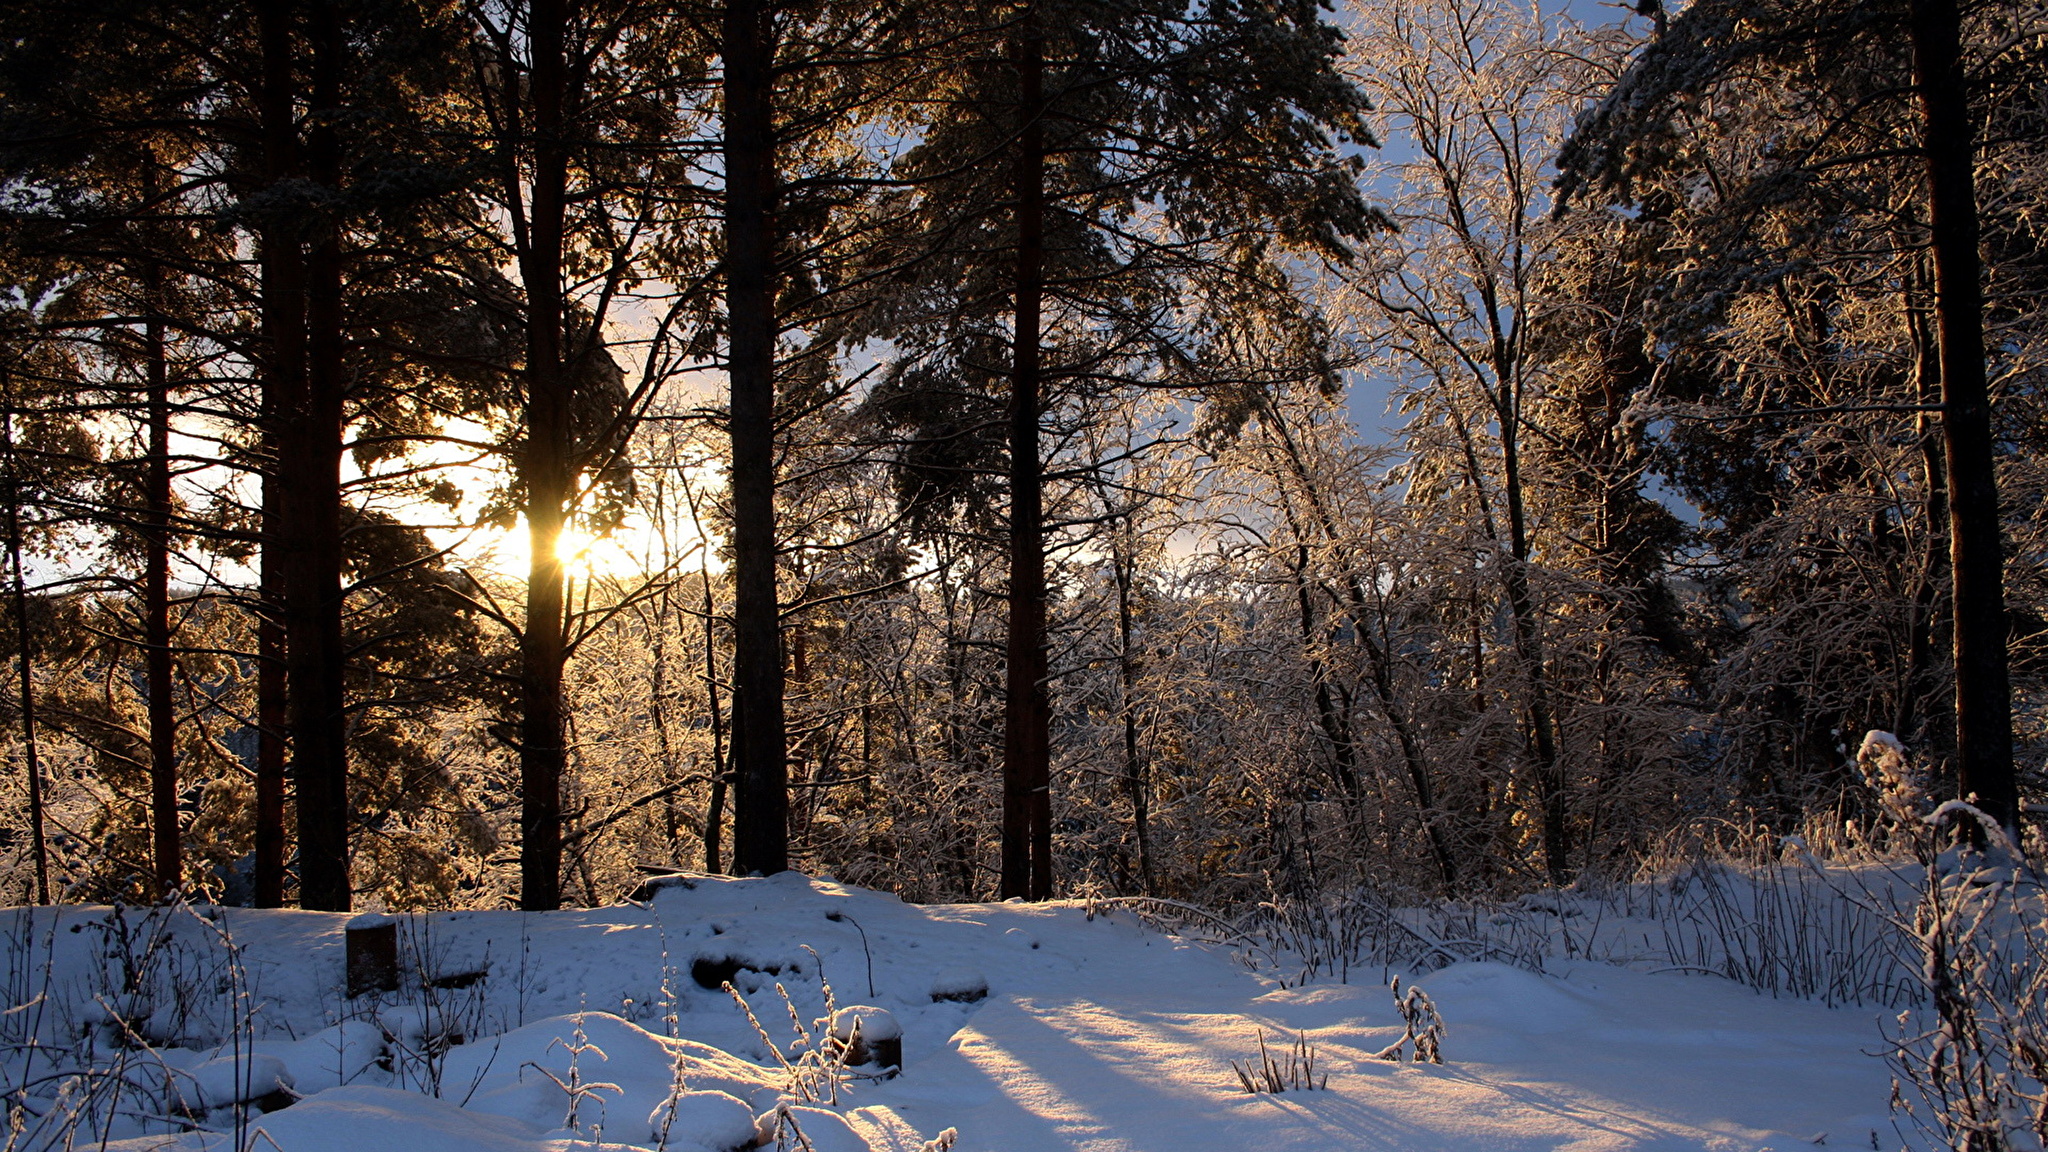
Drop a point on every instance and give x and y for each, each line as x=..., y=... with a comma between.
x=312, y=472
x=283, y=271
x=1551, y=792
x=271, y=719
x=165, y=856
x=1917, y=685
x=24, y=656
x=1136, y=787
x=761, y=774
x=1976, y=555
x=543, y=644
x=273, y=703
x=1027, y=752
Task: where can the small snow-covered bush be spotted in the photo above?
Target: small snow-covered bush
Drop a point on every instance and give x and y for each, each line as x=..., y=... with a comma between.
x=150, y=1034
x=1299, y=940
x=1423, y=1030
x=1762, y=911
x=1971, y=1067
x=1901, y=785
x=816, y=1064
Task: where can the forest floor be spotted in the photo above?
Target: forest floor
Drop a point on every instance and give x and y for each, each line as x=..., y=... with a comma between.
x=1097, y=1034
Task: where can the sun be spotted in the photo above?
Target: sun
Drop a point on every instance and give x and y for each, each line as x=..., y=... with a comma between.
x=631, y=551
x=648, y=542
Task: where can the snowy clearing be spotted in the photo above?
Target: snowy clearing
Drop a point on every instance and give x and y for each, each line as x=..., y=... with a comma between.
x=1096, y=1033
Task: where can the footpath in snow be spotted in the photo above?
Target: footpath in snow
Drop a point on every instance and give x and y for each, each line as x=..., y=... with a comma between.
x=608, y=1028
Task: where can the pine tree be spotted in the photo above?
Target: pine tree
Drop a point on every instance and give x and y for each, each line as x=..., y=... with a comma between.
x=1088, y=165
x=581, y=113
x=1830, y=213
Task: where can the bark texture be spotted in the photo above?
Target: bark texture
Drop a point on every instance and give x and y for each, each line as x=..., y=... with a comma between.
x=1976, y=554
x=311, y=471
x=543, y=642
x=165, y=857
x=1027, y=765
x=760, y=836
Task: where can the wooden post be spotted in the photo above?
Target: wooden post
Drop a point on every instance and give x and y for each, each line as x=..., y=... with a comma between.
x=372, y=954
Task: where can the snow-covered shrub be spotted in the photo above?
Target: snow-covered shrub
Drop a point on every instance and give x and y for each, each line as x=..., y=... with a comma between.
x=1786, y=927
x=1900, y=785
x=439, y=1003
x=1422, y=1032
x=1971, y=1066
x=152, y=1034
x=815, y=1064
x=583, y=1093
x=1764, y=912
x=1362, y=929
x=157, y=981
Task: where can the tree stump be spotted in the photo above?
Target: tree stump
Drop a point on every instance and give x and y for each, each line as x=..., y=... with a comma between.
x=372, y=954
x=863, y=1036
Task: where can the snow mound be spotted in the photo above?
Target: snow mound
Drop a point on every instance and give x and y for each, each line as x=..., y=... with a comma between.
x=360, y=1117
x=226, y=1080
x=960, y=983
x=874, y=1023
x=1504, y=997
x=797, y=1126
x=712, y=1121
x=329, y=1058
x=607, y=1067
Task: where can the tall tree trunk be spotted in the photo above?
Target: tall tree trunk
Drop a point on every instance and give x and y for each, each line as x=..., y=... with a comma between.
x=312, y=466
x=1551, y=792
x=165, y=857
x=283, y=273
x=1976, y=555
x=32, y=765
x=283, y=320
x=760, y=831
x=714, y=811
x=272, y=703
x=1136, y=788
x=1027, y=746
x=543, y=644
x=272, y=717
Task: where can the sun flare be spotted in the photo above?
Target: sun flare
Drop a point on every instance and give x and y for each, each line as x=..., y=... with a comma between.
x=633, y=550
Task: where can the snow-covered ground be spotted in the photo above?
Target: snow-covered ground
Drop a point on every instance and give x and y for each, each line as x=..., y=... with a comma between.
x=595, y=1028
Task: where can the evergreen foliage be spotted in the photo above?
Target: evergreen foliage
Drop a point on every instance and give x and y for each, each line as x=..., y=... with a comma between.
x=468, y=454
